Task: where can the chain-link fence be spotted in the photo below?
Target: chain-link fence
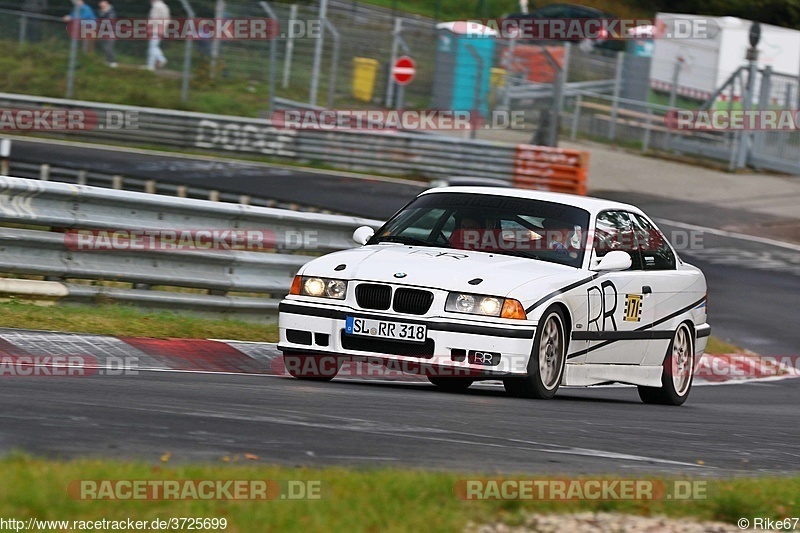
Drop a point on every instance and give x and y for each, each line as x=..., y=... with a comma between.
x=563, y=87
x=360, y=42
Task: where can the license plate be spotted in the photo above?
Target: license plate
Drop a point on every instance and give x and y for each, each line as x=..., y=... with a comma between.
x=383, y=329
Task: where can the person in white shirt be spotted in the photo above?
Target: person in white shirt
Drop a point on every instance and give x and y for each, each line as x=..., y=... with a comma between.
x=158, y=12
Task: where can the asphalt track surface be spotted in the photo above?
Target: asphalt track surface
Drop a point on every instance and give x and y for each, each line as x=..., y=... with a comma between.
x=370, y=198
x=721, y=430
x=730, y=428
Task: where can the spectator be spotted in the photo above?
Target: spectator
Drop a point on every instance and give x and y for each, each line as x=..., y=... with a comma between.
x=81, y=11
x=107, y=12
x=158, y=12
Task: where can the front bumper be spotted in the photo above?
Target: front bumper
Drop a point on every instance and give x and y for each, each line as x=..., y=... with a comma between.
x=448, y=343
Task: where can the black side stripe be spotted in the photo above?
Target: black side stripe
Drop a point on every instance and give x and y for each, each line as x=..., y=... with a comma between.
x=561, y=291
x=673, y=315
x=640, y=329
x=620, y=335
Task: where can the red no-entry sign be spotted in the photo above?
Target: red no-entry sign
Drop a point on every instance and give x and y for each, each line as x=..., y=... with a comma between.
x=404, y=70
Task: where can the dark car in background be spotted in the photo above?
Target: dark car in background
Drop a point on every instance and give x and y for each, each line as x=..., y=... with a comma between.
x=570, y=12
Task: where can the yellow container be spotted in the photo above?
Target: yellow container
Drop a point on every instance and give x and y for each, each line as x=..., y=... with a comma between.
x=497, y=81
x=498, y=78
x=364, y=72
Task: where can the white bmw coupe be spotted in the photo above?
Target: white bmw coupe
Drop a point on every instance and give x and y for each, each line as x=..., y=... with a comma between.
x=535, y=289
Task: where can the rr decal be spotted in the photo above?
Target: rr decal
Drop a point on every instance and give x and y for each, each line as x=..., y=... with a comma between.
x=427, y=253
x=606, y=305
x=633, y=308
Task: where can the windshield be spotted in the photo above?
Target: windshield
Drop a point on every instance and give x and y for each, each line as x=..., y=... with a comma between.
x=506, y=225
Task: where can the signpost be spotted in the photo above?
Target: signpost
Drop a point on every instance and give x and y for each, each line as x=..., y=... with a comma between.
x=403, y=73
x=404, y=70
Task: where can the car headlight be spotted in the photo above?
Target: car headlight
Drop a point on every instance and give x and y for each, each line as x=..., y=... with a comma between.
x=319, y=287
x=476, y=304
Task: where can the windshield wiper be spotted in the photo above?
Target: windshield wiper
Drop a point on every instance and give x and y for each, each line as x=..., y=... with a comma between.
x=403, y=239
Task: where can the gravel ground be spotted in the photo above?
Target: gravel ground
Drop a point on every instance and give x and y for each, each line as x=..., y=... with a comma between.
x=605, y=523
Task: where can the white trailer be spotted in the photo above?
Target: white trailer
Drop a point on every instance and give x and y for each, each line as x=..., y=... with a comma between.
x=707, y=62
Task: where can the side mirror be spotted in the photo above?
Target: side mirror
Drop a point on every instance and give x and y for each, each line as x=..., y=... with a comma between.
x=614, y=261
x=363, y=234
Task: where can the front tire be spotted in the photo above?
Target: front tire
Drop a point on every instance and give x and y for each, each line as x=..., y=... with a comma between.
x=678, y=373
x=451, y=384
x=546, y=364
x=312, y=367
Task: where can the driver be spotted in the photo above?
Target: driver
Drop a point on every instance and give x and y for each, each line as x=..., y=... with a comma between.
x=557, y=234
x=470, y=229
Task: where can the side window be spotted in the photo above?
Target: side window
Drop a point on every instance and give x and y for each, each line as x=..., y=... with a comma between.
x=614, y=231
x=655, y=250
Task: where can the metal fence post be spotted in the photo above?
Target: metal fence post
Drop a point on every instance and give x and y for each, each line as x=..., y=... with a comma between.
x=747, y=104
x=219, y=11
x=391, y=87
x=23, y=29
x=558, y=96
x=612, y=127
x=398, y=28
x=73, y=58
x=763, y=105
x=334, y=62
x=272, y=58
x=509, y=66
x=5, y=155
x=576, y=117
x=187, y=57
x=673, y=95
x=323, y=15
x=287, y=61
x=648, y=130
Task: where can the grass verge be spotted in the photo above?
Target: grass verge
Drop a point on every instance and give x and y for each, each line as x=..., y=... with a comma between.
x=129, y=321
x=351, y=500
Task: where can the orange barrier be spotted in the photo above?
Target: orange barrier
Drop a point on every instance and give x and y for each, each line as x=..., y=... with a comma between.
x=551, y=169
x=531, y=61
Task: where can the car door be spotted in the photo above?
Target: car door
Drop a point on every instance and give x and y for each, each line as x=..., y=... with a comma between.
x=618, y=302
x=671, y=288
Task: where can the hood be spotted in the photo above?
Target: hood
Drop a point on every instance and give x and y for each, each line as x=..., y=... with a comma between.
x=439, y=268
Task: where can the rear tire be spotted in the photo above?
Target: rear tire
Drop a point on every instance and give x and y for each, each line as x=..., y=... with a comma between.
x=546, y=364
x=312, y=367
x=678, y=374
x=451, y=384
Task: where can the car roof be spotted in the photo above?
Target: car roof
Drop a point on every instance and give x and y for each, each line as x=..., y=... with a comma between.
x=582, y=10
x=591, y=204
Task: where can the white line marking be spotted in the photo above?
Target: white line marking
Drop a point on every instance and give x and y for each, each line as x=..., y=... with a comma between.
x=731, y=234
x=358, y=425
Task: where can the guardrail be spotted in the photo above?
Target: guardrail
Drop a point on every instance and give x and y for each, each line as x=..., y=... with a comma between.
x=528, y=90
x=47, y=172
x=208, y=278
x=388, y=152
